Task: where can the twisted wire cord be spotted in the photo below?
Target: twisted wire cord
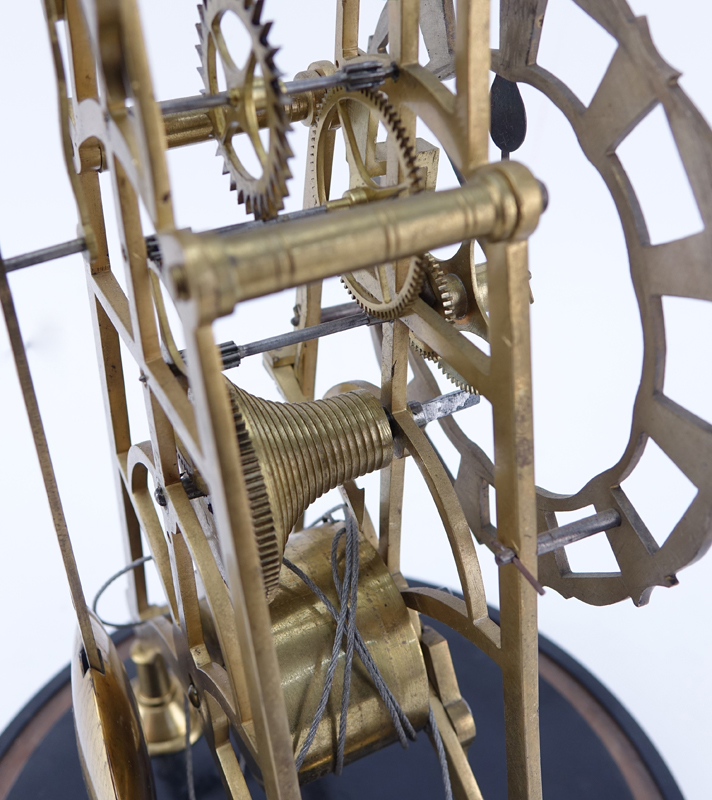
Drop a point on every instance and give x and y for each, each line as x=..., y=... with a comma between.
x=351, y=545
x=347, y=592
x=105, y=586
x=400, y=720
x=331, y=668
x=362, y=651
x=432, y=729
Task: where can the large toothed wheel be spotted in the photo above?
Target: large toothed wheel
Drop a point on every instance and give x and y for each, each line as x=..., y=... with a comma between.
x=256, y=103
x=381, y=291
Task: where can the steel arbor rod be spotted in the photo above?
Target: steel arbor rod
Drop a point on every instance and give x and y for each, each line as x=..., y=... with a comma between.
x=46, y=254
x=232, y=356
x=359, y=76
x=568, y=534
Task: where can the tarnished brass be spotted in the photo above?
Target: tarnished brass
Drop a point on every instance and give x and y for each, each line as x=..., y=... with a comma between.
x=441, y=673
x=501, y=202
x=192, y=127
x=389, y=289
x=636, y=80
x=188, y=128
x=303, y=633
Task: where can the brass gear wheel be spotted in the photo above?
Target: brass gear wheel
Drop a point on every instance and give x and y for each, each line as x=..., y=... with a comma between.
x=436, y=290
x=359, y=114
x=257, y=104
x=451, y=374
x=443, y=303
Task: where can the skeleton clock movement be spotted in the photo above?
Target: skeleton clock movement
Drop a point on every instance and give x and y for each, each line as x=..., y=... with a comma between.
x=333, y=337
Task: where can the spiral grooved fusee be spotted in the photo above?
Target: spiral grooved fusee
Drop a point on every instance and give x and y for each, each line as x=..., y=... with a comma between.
x=292, y=453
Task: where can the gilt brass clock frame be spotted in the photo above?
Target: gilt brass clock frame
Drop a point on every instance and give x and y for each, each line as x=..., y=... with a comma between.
x=111, y=121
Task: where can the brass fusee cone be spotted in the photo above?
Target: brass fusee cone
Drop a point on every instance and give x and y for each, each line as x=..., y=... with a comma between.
x=292, y=453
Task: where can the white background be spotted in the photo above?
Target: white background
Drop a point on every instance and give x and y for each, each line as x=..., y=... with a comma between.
x=586, y=356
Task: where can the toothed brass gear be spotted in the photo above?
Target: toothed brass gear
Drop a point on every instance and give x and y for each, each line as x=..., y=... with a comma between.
x=438, y=284
x=358, y=114
x=454, y=376
x=434, y=294
x=258, y=103
x=422, y=349
x=260, y=509
x=384, y=274
x=451, y=374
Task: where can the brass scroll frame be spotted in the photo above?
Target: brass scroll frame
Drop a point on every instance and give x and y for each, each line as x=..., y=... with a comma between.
x=206, y=278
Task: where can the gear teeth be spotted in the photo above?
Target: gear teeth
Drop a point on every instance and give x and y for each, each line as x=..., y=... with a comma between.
x=259, y=504
x=421, y=349
x=389, y=117
x=455, y=377
x=408, y=294
x=264, y=195
x=263, y=34
x=438, y=280
x=452, y=375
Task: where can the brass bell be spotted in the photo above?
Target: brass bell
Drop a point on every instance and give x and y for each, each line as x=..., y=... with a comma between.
x=292, y=453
